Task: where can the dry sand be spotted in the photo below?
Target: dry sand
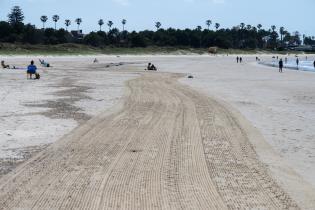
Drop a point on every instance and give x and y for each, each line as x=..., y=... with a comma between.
x=34, y=114
x=168, y=146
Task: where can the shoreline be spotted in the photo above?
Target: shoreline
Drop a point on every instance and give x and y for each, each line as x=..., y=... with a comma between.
x=300, y=68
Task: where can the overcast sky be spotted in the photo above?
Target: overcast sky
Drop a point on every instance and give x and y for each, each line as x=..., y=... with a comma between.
x=142, y=14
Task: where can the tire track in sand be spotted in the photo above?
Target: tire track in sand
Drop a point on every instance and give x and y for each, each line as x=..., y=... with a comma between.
x=168, y=148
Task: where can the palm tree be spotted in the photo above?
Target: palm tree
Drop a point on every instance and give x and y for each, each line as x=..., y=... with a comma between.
x=208, y=23
x=67, y=23
x=123, y=22
x=282, y=32
x=55, y=19
x=158, y=25
x=273, y=28
x=217, y=26
x=101, y=23
x=44, y=19
x=199, y=28
x=259, y=26
x=242, y=25
x=248, y=27
x=78, y=21
x=110, y=23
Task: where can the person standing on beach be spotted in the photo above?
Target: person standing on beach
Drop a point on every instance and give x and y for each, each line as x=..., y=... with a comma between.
x=280, y=65
x=31, y=69
x=297, y=62
x=314, y=64
x=237, y=59
x=241, y=59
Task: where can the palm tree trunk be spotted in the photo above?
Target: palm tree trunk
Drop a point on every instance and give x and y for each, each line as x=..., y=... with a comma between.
x=55, y=25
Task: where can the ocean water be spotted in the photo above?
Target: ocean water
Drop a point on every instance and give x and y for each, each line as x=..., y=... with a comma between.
x=304, y=65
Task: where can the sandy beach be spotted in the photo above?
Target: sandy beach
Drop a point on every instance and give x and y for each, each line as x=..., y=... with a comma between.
x=112, y=136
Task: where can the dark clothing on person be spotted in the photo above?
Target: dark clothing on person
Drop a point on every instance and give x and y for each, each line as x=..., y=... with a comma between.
x=237, y=59
x=314, y=64
x=149, y=66
x=4, y=65
x=241, y=59
x=280, y=65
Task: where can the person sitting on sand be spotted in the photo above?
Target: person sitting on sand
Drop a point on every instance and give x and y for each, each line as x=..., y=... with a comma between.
x=280, y=65
x=4, y=65
x=31, y=69
x=153, y=68
x=43, y=63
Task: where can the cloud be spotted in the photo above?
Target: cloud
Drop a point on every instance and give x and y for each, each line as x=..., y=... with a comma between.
x=122, y=2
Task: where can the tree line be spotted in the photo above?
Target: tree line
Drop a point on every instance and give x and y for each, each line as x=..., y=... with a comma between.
x=238, y=37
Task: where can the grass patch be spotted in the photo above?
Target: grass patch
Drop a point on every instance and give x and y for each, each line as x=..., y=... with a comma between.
x=78, y=49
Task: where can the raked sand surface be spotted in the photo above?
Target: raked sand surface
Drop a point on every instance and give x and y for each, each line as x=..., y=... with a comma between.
x=167, y=145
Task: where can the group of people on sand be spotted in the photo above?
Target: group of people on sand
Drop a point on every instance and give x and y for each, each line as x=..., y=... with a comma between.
x=30, y=70
x=151, y=67
x=239, y=59
x=297, y=61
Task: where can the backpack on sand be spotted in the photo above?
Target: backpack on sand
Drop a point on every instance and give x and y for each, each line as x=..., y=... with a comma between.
x=37, y=76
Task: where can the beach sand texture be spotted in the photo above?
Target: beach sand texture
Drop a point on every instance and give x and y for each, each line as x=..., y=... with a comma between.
x=169, y=147
x=166, y=146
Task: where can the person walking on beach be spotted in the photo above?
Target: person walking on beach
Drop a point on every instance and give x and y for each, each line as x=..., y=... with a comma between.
x=280, y=65
x=314, y=64
x=241, y=59
x=31, y=69
x=297, y=62
x=237, y=59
